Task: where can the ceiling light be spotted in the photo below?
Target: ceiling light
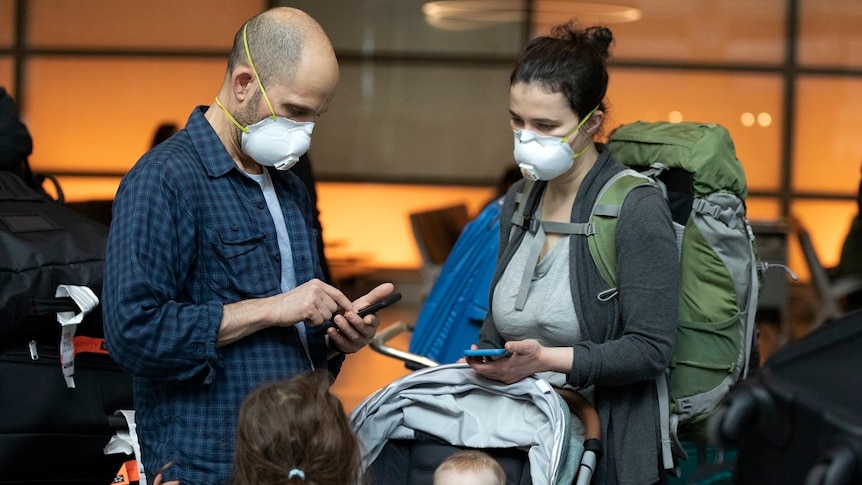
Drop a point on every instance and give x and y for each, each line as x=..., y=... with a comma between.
x=474, y=14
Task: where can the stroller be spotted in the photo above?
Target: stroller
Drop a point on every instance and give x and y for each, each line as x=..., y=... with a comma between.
x=407, y=428
x=411, y=425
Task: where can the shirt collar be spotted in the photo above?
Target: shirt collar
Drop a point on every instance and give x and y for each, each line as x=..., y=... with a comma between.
x=216, y=159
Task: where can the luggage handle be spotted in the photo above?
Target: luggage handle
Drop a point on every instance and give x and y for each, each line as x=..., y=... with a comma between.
x=35, y=305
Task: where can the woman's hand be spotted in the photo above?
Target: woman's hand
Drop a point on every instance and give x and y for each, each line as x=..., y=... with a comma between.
x=526, y=359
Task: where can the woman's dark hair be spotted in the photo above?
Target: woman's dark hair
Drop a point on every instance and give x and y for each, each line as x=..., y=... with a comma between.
x=571, y=61
x=295, y=424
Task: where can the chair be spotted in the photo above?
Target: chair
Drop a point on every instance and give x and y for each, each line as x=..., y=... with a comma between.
x=829, y=290
x=435, y=232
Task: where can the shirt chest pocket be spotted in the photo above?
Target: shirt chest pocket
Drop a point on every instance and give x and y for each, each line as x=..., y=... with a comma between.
x=238, y=264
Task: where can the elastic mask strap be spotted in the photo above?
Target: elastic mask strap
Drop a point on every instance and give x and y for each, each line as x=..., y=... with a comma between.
x=565, y=139
x=256, y=76
x=230, y=116
x=584, y=120
x=582, y=151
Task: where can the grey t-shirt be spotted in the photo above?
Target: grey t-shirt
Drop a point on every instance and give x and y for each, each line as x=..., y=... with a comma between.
x=548, y=315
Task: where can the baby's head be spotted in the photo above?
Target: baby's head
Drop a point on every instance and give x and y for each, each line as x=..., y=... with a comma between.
x=469, y=467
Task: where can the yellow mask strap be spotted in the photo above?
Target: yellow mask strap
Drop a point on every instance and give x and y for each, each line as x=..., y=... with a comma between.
x=584, y=120
x=230, y=116
x=256, y=76
x=582, y=151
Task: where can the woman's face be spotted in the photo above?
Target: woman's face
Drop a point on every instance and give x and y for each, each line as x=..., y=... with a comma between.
x=535, y=108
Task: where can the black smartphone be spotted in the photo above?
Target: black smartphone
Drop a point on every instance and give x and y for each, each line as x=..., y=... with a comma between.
x=373, y=308
x=379, y=305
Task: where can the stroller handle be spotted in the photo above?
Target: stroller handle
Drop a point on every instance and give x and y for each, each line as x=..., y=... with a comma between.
x=379, y=344
x=579, y=406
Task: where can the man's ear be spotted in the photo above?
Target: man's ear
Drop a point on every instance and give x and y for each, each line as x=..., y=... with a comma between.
x=243, y=82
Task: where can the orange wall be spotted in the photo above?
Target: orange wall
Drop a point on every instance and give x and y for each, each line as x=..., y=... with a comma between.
x=370, y=222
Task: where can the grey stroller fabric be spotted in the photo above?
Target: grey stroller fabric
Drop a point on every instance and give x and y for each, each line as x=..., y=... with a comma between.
x=453, y=403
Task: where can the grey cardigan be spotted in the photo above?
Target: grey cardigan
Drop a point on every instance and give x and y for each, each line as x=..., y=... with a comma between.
x=628, y=339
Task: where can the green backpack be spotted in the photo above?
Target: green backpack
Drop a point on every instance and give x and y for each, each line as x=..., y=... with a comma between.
x=696, y=167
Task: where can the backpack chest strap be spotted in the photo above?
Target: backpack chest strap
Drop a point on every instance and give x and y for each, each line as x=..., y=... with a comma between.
x=542, y=228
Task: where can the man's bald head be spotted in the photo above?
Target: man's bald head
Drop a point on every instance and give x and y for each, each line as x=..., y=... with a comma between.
x=277, y=40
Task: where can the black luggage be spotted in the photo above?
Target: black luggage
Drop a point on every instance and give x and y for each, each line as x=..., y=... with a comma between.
x=44, y=244
x=51, y=432
x=799, y=420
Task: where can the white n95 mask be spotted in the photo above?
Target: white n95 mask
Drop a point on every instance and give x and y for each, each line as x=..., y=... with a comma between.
x=542, y=157
x=277, y=142
x=546, y=157
x=274, y=141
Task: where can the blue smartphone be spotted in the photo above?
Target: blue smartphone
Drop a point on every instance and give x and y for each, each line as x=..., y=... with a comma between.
x=486, y=353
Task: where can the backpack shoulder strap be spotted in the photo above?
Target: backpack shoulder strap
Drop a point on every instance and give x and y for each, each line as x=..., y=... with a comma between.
x=519, y=217
x=604, y=216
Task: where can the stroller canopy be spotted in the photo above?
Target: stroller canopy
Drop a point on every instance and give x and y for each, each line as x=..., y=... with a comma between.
x=454, y=404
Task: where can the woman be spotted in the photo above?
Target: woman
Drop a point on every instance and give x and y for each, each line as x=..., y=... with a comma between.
x=551, y=309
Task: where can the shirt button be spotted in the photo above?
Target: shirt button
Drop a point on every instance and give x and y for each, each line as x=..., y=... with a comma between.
x=278, y=257
x=234, y=227
x=261, y=205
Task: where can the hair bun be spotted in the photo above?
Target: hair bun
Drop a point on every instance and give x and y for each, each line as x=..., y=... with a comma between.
x=597, y=38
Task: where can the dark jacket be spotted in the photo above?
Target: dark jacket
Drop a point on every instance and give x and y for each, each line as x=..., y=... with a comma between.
x=629, y=339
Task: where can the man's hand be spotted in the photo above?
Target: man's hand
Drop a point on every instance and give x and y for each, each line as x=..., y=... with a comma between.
x=313, y=302
x=351, y=333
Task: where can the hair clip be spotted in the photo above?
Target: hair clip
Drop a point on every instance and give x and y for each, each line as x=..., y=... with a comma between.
x=296, y=472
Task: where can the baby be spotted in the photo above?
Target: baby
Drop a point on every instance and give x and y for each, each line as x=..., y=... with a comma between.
x=469, y=467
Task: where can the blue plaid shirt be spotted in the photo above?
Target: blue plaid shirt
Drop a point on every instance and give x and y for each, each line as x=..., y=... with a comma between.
x=191, y=233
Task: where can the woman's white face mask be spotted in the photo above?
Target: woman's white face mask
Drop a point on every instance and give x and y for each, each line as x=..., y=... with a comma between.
x=546, y=157
x=274, y=141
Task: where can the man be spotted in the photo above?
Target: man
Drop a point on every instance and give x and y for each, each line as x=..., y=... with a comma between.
x=212, y=276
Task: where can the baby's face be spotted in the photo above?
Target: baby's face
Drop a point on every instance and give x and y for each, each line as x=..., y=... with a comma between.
x=453, y=477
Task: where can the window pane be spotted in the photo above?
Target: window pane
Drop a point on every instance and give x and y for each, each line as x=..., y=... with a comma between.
x=729, y=30
x=189, y=24
x=763, y=208
x=713, y=98
x=829, y=33
x=78, y=189
x=6, y=74
x=417, y=123
x=828, y=148
x=77, y=127
x=7, y=23
x=828, y=222
x=373, y=26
